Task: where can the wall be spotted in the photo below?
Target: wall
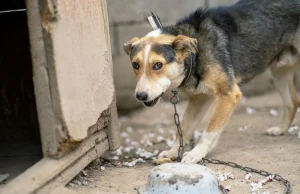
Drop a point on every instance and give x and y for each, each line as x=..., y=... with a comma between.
x=127, y=20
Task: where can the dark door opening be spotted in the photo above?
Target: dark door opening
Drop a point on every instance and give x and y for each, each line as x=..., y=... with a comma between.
x=20, y=145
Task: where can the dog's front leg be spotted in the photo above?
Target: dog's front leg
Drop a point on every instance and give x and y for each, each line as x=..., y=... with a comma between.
x=197, y=106
x=223, y=107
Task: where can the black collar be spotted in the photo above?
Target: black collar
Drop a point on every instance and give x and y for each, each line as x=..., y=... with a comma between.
x=188, y=70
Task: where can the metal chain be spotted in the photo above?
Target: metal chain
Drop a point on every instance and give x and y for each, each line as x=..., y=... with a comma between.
x=175, y=100
x=277, y=177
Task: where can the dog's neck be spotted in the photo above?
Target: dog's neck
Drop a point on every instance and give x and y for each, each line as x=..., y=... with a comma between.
x=189, y=64
x=191, y=75
x=190, y=26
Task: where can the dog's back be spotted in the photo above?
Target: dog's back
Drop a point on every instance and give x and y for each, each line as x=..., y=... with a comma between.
x=264, y=28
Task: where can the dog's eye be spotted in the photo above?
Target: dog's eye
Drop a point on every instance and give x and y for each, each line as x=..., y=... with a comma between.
x=135, y=65
x=157, y=66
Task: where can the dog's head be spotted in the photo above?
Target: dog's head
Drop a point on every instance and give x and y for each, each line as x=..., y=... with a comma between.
x=158, y=62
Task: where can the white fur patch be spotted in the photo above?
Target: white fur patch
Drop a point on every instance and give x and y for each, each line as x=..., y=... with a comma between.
x=154, y=33
x=143, y=84
x=164, y=84
x=175, y=74
x=147, y=50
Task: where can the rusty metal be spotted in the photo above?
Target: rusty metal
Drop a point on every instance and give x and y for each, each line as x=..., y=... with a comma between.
x=175, y=100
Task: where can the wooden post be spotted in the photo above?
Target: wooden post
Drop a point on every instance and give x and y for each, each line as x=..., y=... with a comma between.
x=74, y=89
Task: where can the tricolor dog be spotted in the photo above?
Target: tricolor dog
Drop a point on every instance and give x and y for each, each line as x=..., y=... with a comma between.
x=224, y=48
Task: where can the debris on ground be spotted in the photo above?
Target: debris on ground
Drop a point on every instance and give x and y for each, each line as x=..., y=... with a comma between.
x=227, y=188
x=116, y=157
x=124, y=134
x=133, y=163
x=79, y=181
x=118, y=152
x=129, y=129
x=293, y=128
x=225, y=176
x=250, y=110
x=243, y=128
x=257, y=185
x=248, y=176
x=160, y=139
x=273, y=112
x=84, y=172
x=145, y=154
x=102, y=168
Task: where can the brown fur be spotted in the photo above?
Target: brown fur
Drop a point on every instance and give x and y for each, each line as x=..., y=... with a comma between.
x=224, y=106
x=216, y=80
x=182, y=45
x=153, y=58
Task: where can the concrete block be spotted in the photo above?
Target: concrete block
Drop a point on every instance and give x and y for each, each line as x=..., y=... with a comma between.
x=167, y=10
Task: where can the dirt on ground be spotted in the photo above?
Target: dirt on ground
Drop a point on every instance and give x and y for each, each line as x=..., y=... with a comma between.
x=146, y=132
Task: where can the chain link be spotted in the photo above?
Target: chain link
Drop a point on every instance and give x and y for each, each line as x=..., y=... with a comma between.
x=277, y=177
x=175, y=100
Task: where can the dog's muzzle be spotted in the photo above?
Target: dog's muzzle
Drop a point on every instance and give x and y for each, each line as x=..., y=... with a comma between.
x=153, y=102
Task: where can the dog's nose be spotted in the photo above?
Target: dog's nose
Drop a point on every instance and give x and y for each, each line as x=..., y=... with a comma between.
x=142, y=95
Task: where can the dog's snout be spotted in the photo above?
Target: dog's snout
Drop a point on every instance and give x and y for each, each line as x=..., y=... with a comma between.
x=142, y=96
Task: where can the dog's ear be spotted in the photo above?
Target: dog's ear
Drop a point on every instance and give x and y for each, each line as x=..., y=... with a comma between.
x=185, y=44
x=128, y=45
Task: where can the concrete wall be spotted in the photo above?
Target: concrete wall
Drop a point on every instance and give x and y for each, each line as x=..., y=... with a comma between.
x=127, y=20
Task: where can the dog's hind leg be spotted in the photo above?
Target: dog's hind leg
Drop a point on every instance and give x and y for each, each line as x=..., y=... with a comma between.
x=224, y=105
x=283, y=75
x=193, y=114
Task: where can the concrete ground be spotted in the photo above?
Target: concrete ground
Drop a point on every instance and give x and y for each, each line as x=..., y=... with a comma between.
x=148, y=131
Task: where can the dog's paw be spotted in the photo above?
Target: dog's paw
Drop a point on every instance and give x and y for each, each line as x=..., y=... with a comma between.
x=191, y=157
x=275, y=131
x=195, y=155
x=169, y=154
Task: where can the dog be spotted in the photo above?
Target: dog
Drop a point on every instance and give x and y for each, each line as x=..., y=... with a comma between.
x=210, y=54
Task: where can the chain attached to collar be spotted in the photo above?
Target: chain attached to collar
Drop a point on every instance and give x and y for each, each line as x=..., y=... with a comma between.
x=175, y=100
x=156, y=24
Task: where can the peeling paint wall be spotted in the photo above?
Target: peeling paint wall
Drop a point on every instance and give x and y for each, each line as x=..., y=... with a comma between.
x=82, y=69
x=77, y=69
